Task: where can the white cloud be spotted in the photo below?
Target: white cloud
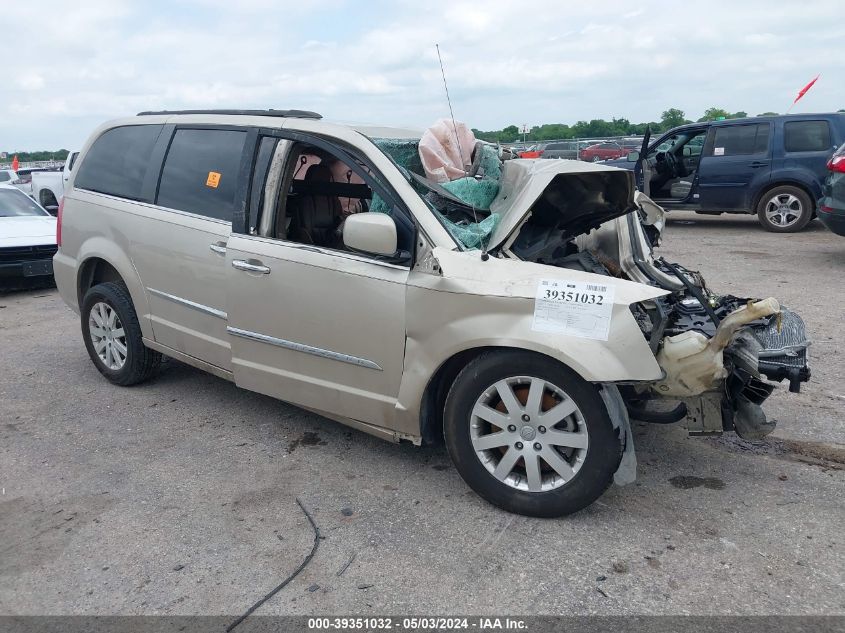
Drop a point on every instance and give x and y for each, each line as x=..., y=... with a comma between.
x=529, y=62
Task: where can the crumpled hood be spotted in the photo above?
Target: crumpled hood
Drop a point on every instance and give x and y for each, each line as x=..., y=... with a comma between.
x=583, y=195
x=33, y=230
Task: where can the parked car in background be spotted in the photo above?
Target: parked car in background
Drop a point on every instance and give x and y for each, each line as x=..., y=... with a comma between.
x=48, y=186
x=832, y=205
x=532, y=151
x=7, y=176
x=24, y=181
x=560, y=149
x=603, y=151
x=773, y=166
x=27, y=238
x=631, y=144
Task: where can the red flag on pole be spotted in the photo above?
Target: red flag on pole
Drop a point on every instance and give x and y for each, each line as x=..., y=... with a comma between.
x=15, y=163
x=804, y=90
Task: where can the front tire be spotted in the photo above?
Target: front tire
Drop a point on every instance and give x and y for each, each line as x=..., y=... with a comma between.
x=113, y=336
x=529, y=435
x=785, y=209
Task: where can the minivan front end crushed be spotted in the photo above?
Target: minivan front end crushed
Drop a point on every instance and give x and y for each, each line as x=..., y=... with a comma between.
x=717, y=355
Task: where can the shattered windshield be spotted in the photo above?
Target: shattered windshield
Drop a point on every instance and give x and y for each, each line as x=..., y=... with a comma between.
x=462, y=206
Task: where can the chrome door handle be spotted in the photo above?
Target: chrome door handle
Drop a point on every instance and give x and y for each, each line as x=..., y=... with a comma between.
x=250, y=268
x=218, y=248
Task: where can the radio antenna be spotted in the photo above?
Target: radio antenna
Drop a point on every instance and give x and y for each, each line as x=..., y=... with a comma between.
x=484, y=255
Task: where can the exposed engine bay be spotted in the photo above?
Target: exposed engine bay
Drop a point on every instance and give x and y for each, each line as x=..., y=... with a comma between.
x=720, y=354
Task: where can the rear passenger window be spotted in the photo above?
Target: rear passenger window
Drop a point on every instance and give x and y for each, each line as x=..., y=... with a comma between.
x=118, y=161
x=200, y=173
x=740, y=140
x=806, y=136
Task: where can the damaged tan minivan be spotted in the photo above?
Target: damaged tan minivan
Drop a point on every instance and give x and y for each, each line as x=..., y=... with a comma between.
x=519, y=312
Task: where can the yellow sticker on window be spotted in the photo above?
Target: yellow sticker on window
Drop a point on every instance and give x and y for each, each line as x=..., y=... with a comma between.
x=213, y=179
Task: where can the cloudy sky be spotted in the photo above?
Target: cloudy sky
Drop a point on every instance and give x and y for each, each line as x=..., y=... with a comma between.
x=71, y=65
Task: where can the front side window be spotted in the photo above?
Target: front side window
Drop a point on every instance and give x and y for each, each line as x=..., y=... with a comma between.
x=305, y=194
x=118, y=160
x=200, y=173
x=806, y=136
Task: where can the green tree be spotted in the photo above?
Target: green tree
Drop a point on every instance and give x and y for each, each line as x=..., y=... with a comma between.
x=739, y=115
x=510, y=134
x=713, y=114
x=673, y=117
x=775, y=113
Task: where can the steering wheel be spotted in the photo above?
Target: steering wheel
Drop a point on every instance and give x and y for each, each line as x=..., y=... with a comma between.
x=671, y=164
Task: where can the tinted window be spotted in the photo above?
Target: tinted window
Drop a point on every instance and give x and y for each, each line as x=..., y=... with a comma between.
x=738, y=140
x=4, y=176
x=117, y=162
x=806, y=136
x=13, y=203
x=200, y=172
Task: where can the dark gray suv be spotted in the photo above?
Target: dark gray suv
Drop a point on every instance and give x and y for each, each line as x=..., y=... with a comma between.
x=773, y=166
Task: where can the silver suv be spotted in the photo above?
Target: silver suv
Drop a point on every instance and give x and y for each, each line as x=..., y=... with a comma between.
x=315, y=263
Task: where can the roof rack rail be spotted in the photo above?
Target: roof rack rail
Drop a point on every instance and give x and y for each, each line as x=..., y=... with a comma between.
x=293, y=114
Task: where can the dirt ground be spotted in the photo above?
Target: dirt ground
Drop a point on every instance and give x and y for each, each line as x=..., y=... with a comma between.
x=179, y=496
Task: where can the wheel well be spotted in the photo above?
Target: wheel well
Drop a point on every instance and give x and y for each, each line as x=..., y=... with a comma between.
x=95, y=271
x=434, y=397
x=797, y=185
x=46, y=196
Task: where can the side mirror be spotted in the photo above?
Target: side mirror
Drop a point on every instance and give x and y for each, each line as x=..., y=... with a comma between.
x=370, y=232
x=633, y=157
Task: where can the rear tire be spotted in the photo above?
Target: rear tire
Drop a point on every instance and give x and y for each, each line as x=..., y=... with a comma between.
x=527, y=463
x=48, y=199
x=785, y=209
x=113, y=338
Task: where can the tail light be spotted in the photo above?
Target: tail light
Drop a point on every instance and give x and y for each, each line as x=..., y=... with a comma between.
x=837, y=163
x=59, y=222
x=540, y=153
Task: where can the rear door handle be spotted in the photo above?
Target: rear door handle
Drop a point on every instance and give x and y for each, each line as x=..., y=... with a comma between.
x=257, y=267
x=218, y=247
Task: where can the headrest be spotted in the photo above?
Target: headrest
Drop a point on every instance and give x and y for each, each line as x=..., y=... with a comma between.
x=319, y=173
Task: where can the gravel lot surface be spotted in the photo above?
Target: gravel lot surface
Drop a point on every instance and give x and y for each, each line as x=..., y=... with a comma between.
x=179, y=496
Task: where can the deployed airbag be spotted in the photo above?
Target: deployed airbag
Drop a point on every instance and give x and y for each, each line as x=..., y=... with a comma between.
x=446, y=150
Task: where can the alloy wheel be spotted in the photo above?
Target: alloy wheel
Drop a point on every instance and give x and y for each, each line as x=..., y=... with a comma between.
x=529, y=434
x=784, y=210
x=107, y=335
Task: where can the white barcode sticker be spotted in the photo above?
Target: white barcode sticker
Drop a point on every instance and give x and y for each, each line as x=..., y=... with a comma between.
x=574, y=308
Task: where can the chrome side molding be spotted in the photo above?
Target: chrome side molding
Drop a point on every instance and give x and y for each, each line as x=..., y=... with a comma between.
x=190, y=304
x=305, y=349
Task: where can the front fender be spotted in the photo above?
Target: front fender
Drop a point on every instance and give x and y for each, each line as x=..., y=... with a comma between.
x=477, y=304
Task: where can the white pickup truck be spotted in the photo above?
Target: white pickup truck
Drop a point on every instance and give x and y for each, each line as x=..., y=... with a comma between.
x=49, y=186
